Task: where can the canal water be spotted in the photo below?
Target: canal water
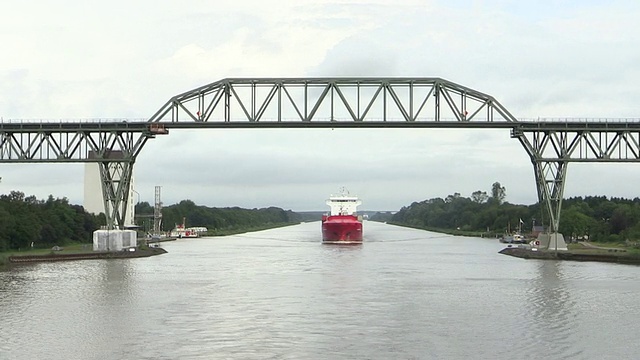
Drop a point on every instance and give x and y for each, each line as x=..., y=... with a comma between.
x=281, y=294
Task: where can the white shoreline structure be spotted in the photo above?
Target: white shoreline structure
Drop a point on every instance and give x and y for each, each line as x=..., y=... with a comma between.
x=114, y=240
x=552, y=241
x=191, y=232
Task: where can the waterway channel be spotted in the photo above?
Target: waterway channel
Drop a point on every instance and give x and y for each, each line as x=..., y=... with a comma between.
x=281, y=294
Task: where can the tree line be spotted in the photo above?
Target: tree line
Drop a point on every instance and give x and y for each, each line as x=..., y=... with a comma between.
x=597, y=218
x=27, y=222
x=216, y=220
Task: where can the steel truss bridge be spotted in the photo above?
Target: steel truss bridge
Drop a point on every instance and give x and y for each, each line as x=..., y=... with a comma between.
x=320, y=103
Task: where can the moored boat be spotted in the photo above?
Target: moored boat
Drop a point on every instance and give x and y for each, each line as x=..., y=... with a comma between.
x=180, y=231
x=342, y=225
x=516, y=238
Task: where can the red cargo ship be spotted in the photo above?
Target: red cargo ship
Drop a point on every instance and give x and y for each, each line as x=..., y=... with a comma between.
x=342, y=225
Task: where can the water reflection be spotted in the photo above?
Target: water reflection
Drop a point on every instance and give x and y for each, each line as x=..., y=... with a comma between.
x=9, y=281
x=550, y=311
x=282, y=294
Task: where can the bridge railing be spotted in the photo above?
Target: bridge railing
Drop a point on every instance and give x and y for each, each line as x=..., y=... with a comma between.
x=580, y=120
x=293, y=119
x=70, y=120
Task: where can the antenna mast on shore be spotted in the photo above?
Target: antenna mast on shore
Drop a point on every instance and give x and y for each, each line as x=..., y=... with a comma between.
x=157, y=213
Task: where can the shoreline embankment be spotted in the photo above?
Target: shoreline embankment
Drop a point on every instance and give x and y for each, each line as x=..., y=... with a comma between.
x=125, y=254
x=619, y=256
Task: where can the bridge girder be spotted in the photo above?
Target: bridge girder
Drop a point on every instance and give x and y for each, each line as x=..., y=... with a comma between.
x=74, y=142
x=581, y=145
x=332, y=100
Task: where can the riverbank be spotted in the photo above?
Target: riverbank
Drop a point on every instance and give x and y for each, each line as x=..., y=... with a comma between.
x=84, y=251
x=582, y=253
x=31, y=257
x=480, y=234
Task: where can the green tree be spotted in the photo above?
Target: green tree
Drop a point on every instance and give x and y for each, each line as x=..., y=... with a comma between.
x=479, y=197
x=599, y=218
x=25, y=220
x=575, y=223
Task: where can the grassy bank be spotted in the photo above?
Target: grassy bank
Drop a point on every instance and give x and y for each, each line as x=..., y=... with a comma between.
x=603, y=248
x=480, y=234
x=68, y=249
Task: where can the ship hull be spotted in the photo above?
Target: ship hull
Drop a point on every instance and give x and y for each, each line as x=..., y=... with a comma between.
x=341, y=229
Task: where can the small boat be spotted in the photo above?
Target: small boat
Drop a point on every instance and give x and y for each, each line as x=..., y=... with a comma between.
x=514, y=238
x=342, y=225
x=180, y=231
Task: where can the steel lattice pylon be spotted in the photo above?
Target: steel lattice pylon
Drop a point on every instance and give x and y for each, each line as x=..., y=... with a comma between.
x=115, y=178
x=157, y=212
x=553, y=145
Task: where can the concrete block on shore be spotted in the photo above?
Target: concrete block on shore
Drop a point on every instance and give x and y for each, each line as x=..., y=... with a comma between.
x=552, y=241
x=114, y=240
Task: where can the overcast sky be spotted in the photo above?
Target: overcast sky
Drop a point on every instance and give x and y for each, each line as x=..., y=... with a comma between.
x=125, y=59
